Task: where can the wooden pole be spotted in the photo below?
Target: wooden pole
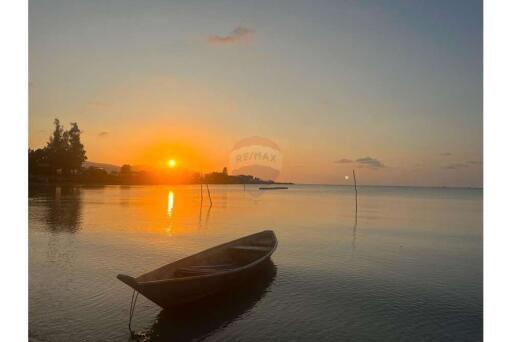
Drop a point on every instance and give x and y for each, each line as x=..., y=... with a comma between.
x=200, y=216
x=201, y=193
x=207, y=217
x=355, y=187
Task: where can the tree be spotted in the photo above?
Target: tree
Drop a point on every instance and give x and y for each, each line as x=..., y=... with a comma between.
x=76, y=153
x=56, y=147
x=126, y=170
x=38, y=162
x=64, y=151
x=95, y=174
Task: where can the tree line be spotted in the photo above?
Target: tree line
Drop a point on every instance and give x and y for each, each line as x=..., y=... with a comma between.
x=61, y=161
x=63, y=154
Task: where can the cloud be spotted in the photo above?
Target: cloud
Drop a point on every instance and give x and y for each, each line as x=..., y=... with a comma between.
x=370, y=162
x=454, y=166
x=474, y=162
x=103, y=134
x=343, y=161
x=238, y=35
x=445, y=154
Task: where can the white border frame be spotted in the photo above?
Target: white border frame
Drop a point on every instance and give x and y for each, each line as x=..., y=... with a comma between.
x=497, y=169
x=14, y=198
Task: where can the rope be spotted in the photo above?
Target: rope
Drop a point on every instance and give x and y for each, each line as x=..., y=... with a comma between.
x=135, y=294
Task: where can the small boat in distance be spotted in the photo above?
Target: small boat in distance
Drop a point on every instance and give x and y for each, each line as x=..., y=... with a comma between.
x=274, y=188
x=206, y=273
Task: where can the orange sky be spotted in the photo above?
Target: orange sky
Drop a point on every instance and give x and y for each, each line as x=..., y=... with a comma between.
x=400, y=98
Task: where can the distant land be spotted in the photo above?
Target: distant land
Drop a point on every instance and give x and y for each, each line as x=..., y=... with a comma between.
x=63, y=160
x=93, y=173
x=107, y=167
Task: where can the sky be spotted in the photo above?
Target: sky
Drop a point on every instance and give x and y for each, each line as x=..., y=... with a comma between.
x=392, y=89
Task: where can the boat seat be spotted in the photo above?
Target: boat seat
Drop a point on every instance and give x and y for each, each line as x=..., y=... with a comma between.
x=197, y=270
x=251, y=248
x=231, y=265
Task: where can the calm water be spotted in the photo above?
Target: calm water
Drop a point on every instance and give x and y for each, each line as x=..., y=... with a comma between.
x=409, y=268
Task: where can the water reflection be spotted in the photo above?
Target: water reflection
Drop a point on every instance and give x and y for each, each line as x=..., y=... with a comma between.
x=205, y=317
x=207, y=218
x=383, y=293
x=170, y=203
x=354, y=231
x=221, y=196
x=170, y=208
x=62, y=207
x=184, y=211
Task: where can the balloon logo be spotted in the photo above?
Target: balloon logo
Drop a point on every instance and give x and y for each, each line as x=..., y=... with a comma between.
x=256, y=156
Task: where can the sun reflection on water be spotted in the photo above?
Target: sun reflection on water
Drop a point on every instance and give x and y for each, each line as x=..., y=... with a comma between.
x=170, y=203
x=170, y=207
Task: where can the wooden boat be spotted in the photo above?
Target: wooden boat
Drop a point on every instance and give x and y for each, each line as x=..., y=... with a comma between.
x=273, y=188
x=206, y=273
x=196, y=321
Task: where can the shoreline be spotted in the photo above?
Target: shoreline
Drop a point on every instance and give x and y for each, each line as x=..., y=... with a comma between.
x=96, y=183
x=74, y=183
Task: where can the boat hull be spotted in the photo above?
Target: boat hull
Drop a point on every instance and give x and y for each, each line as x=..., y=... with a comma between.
x=207, y=273
x=178, y=293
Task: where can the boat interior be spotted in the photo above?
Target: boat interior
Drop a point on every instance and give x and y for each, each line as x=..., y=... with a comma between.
x=218, y=259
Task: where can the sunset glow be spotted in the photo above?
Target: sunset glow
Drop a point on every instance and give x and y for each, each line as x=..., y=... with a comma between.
x=199, y=103
x=224, y=159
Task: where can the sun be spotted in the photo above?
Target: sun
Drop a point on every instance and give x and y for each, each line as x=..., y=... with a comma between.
x=171, y=163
